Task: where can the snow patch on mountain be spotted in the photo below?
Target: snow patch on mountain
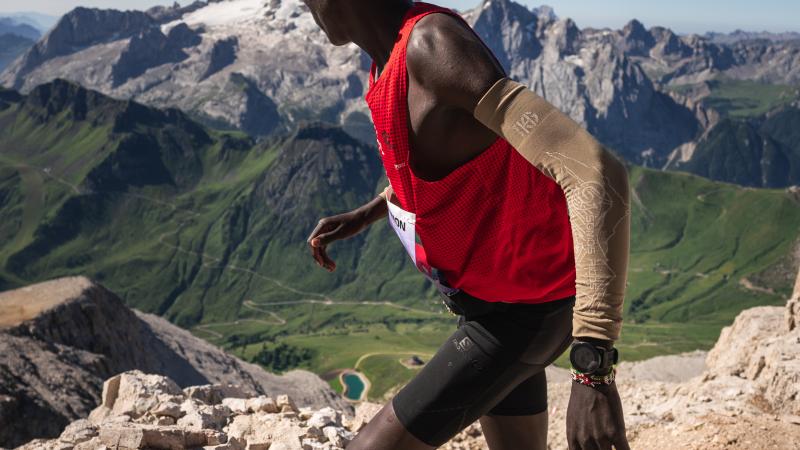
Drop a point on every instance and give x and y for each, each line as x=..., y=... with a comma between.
x=221, y=14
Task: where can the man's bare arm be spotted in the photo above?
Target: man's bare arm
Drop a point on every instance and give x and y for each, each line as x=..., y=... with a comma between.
x=451, y=62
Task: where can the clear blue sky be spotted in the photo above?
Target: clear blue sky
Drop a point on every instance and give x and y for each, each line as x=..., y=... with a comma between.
x=685, y=16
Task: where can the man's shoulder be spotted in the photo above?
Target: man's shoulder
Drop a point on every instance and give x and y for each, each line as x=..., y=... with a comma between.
x=446, y=57
x=436, y=39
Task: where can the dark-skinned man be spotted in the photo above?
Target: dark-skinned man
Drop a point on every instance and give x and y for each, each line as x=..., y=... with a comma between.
x=517, y=215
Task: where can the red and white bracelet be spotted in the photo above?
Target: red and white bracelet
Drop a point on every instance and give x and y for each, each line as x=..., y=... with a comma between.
x=593, y=380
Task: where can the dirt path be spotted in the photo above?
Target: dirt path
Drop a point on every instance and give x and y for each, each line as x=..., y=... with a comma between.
x=329, y=302
x=747, y=284
x=371, y=354
x=206, y=327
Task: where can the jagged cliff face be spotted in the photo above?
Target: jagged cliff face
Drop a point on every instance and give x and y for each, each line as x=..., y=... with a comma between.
x=587, y=76
x=673, y=59
x=253, y=64
x=61, y=339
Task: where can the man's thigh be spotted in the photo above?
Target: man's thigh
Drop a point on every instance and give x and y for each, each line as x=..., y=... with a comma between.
x=469, y=373
x=477, y=367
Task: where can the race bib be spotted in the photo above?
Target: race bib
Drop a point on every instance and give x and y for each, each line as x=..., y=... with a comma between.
x=404, y=225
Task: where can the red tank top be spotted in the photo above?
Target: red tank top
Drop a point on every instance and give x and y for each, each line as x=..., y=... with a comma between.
x=496, y=227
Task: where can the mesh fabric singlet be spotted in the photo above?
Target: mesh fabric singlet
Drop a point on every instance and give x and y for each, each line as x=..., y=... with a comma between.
x=496, y=227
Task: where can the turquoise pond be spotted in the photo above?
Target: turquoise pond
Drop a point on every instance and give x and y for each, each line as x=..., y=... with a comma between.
x=354, y=386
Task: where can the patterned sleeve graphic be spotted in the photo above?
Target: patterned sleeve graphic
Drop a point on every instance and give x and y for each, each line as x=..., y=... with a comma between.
x=595, y=184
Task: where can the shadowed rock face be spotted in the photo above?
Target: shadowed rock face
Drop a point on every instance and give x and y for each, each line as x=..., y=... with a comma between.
x=222, y=55
x=81, y=28
x=62, y=338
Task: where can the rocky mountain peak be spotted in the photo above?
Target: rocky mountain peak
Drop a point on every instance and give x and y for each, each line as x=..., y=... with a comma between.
x=636, y=39
x=565, y=36
x=163, y=14
x=669, y=44
x=545, y=13
x=79, y=28
x=319, y=165
x=508, y=28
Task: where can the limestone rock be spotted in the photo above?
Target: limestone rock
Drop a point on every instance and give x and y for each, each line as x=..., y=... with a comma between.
x=133, y=394
x=200, y=416
x=262, y=404
x=61, y=339
x=237, y=405
x=213, y=394
x=286, y=404
x=138, y=436
x=324, y=418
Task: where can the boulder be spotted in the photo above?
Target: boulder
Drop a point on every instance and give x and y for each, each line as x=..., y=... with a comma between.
x=198, y=416
x=262, y=404
x=133, y=394
x=141, y=436
x=213, y=394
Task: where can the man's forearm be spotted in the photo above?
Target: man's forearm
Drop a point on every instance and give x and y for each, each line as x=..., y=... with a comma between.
x=595, y=184
x=376, y=209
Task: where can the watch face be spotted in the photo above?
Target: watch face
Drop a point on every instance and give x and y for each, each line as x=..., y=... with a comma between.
x=584, y=357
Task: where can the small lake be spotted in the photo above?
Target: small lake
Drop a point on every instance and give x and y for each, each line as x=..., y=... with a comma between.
x=354, y=386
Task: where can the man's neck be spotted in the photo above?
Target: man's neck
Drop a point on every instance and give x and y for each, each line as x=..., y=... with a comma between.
x=378, y=27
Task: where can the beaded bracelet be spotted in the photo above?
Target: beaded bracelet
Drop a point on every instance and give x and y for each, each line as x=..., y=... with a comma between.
x=593, y=380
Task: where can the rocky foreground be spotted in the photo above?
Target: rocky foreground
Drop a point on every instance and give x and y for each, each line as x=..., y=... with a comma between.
x=60, y=340
x=747, y=397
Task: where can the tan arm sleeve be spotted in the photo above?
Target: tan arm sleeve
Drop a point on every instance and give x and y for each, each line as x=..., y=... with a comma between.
x=595, y=184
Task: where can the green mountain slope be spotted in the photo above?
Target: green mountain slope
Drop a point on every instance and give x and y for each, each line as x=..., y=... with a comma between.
x=209, y=228
x=762, y=152
x=178, y=219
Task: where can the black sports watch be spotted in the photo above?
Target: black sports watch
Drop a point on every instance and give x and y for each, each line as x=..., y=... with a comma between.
x=589, y=358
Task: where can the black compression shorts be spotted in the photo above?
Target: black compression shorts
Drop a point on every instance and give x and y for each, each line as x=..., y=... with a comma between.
x=493, y=364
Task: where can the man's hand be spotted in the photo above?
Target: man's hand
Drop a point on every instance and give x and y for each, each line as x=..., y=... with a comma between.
x=594, y=418
x=331, y=229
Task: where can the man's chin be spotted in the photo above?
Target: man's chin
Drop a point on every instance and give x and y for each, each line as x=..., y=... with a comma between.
x=338, y=42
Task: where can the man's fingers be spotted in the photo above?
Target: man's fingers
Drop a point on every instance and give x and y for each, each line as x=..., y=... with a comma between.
x=315, y=253
x=327, y=262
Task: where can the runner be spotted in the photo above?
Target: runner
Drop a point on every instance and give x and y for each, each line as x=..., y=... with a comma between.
x=522, y=220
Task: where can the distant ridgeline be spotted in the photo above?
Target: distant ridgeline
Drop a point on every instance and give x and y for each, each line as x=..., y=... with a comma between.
x=652, y=95
x=203, y=226
x=762, y=151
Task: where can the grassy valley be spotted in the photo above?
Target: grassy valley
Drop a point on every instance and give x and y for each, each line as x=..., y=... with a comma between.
x=208, y=228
